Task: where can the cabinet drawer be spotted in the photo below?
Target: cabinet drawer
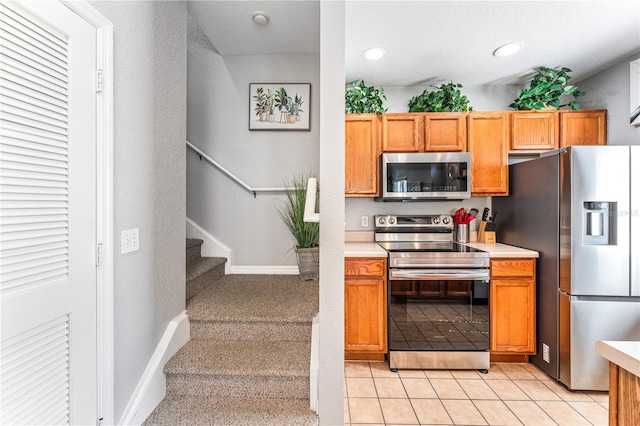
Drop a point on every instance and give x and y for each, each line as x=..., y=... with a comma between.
x=512, y=268
x=365, y=267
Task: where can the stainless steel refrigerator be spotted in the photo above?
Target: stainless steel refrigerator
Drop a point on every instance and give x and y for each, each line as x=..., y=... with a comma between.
x=580, y=209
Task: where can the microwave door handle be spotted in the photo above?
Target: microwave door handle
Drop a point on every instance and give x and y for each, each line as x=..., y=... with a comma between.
x=439, y=274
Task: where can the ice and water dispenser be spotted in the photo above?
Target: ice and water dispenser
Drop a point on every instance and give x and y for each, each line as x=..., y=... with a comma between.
x=599, y=219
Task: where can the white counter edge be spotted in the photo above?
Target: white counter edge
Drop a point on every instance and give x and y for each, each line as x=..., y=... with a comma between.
x=621, y=353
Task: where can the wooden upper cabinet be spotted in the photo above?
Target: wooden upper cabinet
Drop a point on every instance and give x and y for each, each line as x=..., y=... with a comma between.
x=535, y=130
x=445, y=131
x=402, y=132
x=362, y=149
x=488, y=138
x=583, y=127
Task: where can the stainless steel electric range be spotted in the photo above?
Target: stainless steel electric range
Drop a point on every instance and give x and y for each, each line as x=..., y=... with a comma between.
x=438, y=295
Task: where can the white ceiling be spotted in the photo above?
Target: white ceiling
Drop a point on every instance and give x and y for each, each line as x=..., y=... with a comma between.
x=431, y=42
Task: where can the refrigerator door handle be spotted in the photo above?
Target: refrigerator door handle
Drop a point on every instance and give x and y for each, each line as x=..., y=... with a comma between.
x=634, y=248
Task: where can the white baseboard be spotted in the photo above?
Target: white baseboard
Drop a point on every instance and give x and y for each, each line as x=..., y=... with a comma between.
x=267, y=270
x=151, y=387
x=211, y=247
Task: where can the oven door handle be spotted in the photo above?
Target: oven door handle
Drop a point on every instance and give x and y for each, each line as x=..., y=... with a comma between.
x=439, y=274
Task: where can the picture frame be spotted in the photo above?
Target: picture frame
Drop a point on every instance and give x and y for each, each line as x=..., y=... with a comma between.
x=280, y=106
x=634, y=93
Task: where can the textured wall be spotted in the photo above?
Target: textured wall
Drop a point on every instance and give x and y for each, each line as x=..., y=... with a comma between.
x=609, y=90
x=493, y=97
x=149, y=178
x=217, y=123
x=331, y=347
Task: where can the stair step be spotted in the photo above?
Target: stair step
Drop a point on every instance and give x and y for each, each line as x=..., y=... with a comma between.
x=202, y=265
x=256, y=298
x=241, y=358
x=205, y=271
x=250, y=330
x=240, y=369
x=194, y=249
x=199, y=410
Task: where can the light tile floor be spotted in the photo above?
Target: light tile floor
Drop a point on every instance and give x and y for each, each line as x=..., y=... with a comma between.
x=510, y=394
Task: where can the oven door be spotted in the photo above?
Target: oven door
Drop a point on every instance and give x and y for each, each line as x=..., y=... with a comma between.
x=444, y=310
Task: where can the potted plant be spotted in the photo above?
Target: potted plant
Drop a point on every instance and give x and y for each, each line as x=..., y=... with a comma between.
x=362, y=99
x=547, y=87
x=306, y=234
x=296, y=107
x=261, y=103
x=283, y=102
x=444, y=98
x=271, y=105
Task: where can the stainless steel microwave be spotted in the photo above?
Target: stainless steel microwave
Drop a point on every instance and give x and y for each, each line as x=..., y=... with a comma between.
x=425, y=176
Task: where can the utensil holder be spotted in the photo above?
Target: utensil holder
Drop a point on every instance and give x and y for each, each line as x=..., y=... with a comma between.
x=461, y=231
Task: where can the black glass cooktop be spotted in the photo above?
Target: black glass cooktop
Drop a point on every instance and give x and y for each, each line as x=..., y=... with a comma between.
x=427, y=246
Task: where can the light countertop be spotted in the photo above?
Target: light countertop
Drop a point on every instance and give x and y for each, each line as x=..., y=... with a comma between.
x=623, y=354
x=500, y=250
x=361, y=244
x=363, y=249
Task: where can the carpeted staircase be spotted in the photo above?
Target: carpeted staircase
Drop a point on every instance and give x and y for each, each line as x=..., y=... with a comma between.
x=247, y=362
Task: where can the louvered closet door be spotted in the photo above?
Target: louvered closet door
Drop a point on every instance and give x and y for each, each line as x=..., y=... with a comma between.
x=47, y=215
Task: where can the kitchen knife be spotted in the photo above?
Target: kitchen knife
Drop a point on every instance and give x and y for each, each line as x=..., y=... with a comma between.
x=495, y=214
x=485, y=214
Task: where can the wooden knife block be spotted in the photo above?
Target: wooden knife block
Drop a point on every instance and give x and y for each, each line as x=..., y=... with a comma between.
x=487, y=237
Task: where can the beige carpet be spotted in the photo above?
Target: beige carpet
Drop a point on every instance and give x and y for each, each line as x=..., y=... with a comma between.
x=248, y=360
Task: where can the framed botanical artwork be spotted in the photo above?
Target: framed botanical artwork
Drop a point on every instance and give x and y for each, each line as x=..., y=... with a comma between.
x=634, y=94
x=279, y=106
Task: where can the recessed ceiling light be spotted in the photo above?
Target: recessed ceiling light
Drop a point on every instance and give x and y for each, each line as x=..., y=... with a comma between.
x=508, y=49
x=374, y=53
x=261, y=18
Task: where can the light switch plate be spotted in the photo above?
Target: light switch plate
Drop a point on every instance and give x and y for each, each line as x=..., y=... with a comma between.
x=364, y=221
x=129, y=240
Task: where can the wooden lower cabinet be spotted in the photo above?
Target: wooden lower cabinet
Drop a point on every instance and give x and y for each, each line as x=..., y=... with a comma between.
x=513, y=307
x=365, y=308
x=624, y=396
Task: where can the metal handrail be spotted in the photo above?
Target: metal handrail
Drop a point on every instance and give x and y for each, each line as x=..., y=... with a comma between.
x=233, y=177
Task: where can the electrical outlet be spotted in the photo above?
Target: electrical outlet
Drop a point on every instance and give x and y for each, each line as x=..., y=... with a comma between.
x=129, y=240
x=545, y=352
x=364, y=221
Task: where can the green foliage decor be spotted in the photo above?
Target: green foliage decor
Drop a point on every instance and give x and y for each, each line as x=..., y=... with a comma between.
x=445, y=98
x=291, y=212
x=362, y=99
x=547, y=86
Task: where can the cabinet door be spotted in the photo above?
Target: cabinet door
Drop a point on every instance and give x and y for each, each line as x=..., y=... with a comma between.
x=512, y=306
x=364, y=302
x=534, y=130
x=365, y=306
x=488, y=145
x=362, y=151
x=583, y=128
x=402, y=132
x=446, y=131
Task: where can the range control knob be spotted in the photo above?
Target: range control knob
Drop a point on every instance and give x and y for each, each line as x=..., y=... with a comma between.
x=392, y=221
x=436, y=220
x=446, y=220
x=381, y=221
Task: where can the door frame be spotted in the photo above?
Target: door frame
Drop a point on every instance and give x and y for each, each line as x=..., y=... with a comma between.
x=104, y=207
